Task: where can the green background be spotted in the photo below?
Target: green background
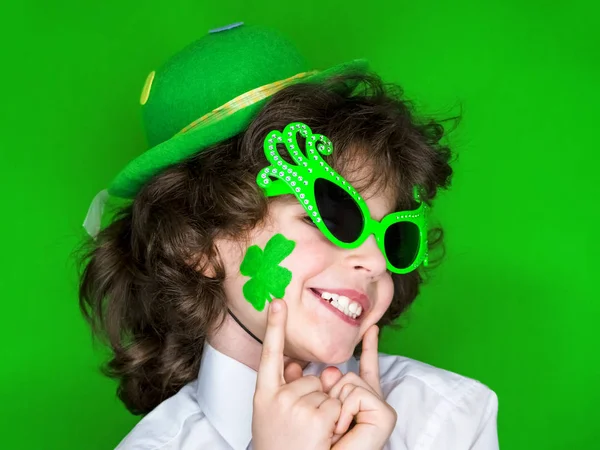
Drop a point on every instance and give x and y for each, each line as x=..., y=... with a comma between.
x=515, y=304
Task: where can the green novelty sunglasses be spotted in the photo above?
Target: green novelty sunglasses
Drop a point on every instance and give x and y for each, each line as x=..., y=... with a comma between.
x=334, y=206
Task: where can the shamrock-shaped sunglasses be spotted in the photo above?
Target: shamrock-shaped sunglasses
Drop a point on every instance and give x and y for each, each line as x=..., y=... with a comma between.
x=335, y=207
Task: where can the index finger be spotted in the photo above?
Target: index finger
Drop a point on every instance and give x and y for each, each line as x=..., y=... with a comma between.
x=270, y=368
x=369, y=359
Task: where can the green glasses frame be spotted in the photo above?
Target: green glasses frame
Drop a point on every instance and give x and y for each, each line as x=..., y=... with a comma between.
x=299, y=179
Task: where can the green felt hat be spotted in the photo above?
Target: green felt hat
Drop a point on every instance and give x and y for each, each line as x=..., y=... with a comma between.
x=208, y=92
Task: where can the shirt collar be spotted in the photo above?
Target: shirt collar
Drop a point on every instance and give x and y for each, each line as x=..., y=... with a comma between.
x=226, y=391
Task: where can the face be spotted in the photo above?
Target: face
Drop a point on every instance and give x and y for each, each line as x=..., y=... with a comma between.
x=316, y=330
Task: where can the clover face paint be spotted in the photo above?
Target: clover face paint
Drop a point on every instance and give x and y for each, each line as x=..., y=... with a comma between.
x=267, y=278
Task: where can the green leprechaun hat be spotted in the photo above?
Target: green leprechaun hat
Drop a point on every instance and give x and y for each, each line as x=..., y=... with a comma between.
x=208, y=92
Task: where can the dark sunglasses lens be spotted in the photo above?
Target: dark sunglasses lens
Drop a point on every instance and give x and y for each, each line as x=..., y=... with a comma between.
x=402, y=241
x=340, y=213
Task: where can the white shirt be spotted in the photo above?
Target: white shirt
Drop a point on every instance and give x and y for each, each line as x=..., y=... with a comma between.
x=437, y=409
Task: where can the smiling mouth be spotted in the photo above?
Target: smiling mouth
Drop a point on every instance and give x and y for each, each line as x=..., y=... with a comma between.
x=347, y=310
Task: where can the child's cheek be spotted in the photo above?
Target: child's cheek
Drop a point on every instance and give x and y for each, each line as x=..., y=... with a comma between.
x=311, y=254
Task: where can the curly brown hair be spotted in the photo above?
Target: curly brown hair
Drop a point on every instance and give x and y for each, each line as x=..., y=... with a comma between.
x=143, y=286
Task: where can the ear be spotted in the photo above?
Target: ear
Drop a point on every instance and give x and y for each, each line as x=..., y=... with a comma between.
x=201, y=263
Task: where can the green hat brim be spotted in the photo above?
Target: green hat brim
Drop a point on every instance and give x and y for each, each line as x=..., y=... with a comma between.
x=128, y=182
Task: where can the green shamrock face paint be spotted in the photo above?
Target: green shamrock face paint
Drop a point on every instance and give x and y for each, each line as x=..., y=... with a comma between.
x=268, y=279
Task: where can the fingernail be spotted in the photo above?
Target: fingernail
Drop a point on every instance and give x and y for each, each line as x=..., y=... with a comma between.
x=275, y=306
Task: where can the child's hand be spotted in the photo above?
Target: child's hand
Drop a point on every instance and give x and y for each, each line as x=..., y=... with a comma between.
x=362, y=400
x=295, y=415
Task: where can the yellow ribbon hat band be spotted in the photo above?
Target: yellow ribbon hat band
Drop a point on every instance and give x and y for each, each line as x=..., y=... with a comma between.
x=244, y=100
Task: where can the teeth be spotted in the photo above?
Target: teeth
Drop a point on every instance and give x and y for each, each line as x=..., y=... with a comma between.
x=343, y=303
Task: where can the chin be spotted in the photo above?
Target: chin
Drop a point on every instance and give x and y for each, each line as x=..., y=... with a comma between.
x=332, y=355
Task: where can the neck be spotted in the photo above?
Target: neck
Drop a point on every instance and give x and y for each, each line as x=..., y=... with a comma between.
x=233, y=341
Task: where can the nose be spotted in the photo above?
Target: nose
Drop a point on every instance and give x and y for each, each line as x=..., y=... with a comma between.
x=367, y=258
